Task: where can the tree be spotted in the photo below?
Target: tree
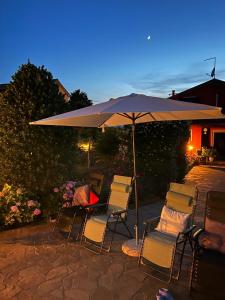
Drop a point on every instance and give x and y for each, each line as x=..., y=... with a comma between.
x=34, y=157
x=78, y=99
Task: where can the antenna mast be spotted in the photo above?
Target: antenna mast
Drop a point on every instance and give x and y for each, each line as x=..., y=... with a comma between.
x=213, y=73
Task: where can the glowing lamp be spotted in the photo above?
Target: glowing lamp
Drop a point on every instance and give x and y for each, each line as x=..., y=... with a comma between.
x=85, y=146
x=190, y=147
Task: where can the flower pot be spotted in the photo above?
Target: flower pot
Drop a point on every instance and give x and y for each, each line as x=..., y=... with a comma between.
x=211, y=159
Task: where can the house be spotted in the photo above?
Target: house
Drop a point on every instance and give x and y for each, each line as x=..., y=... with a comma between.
x=206, y=133
x=61, y=88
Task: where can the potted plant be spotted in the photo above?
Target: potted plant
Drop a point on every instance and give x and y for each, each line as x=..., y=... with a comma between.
x=211, y=154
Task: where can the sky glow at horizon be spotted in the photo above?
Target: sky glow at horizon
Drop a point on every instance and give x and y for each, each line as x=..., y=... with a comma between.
x=102, y=47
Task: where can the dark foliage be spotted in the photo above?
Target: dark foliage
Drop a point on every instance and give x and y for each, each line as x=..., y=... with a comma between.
x=160, y=148
x=78, y=99
x=34, y=157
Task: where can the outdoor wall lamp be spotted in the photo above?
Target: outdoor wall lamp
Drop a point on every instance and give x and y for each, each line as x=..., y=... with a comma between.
x=205, y=130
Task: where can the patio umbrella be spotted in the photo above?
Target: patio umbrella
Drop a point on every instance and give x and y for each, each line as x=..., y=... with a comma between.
x=131, y=110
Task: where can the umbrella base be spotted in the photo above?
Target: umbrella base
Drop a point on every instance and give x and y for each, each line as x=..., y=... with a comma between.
x=131, y=248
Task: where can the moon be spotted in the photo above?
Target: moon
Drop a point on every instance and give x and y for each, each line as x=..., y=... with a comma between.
x=149, y=38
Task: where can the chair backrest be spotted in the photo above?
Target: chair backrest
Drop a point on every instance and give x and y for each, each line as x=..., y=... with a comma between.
x=215, y=206
x=182, y=197
x=121, y=189
x=95, y=181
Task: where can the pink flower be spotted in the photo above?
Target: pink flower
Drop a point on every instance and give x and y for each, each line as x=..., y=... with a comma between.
x=56, y=190
x=65, y=196
x=36, y=212
x=70, y=184
x=1, y=194
x=32, y=203
x=14, y=208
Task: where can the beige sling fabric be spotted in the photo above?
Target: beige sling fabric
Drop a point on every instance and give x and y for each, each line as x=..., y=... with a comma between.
x=179, y=202
x=120, y=191
x=158, y=248
x=94, y=230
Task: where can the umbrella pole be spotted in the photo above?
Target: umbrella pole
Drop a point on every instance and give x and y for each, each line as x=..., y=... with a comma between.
x=135, y=182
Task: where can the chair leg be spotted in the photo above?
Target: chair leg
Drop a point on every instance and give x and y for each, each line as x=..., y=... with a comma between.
x=71, y=226
x=113, y=232
x=181, y=258
x=57, y=219
x=191, y=273
x=83, y=229
x=80, y=229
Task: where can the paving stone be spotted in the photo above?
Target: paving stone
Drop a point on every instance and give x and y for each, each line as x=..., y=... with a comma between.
x=9, y=292
x=87, y=285
x=57, y=272
x=30, y=281
x=102, y=294
x=57, y=294
x=93, y=274
x=116, y=270
x=68, y=281
x=25, y=295
x=136, y=273
x=26, y=272
x=140, y=296
x=106, y=280
x=126, y=287
x=48, y=286
x=74, y=266
x=77, y=294
x=2, y=286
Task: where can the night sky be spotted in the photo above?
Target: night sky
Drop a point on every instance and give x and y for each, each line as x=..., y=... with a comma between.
x=102, y=47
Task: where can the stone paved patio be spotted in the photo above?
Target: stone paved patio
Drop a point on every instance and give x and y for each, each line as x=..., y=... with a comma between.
x=37, y=264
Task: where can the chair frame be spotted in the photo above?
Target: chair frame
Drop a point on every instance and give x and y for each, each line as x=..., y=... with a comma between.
x=119, y=219
x=197, y=247
x=182, y=239
x=82, y=209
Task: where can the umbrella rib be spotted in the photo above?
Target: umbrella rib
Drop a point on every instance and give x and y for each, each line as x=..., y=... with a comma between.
x=151, y=115
x=125, y=115
x=141, y=115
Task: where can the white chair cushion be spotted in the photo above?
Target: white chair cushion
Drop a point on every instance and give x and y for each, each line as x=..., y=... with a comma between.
x=172, y=222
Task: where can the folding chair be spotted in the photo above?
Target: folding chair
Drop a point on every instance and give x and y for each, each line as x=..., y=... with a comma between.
x=208, y=268
x=69, y=216
x=96, y=225
x=166, y=236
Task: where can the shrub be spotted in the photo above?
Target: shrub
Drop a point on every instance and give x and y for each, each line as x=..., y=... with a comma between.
x=16, y=206
x=34, y=157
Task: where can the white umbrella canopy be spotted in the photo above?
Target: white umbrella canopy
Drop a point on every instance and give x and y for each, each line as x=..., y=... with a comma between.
x=131, y=110
x=141, y=108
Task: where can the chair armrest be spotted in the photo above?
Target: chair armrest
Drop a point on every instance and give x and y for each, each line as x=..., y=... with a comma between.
x=197, y=234
x=119, y=212
x=189, y=230
x=184, y=234
x=151, y=223
x=95, y=205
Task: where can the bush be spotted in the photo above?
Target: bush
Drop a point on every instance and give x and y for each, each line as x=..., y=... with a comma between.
x=160, y=154
x=36, y=158
x=17, y=206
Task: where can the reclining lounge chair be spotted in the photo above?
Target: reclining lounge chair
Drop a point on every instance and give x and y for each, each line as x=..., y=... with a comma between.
x=96, y=225
x=166, y=236
x=208, y=269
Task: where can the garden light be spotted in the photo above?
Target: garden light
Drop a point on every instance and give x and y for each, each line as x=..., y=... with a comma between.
x=190, y=147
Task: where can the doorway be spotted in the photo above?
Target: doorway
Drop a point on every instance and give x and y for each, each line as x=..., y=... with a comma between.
x=219, y=144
